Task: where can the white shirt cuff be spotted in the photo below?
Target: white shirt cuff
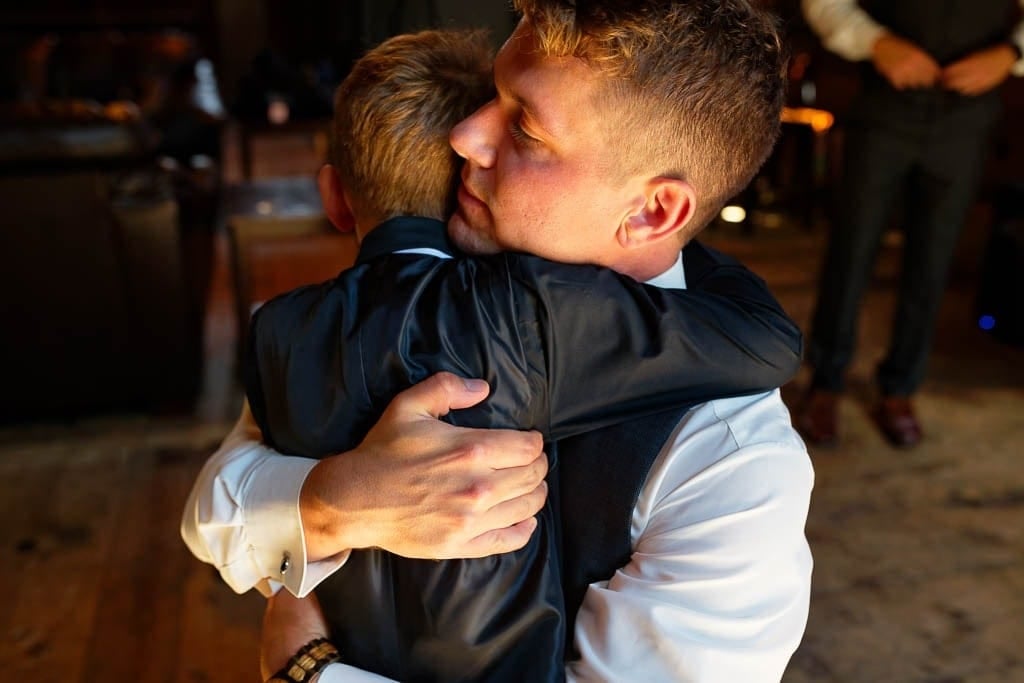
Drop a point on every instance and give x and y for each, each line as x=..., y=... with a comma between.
x=274, y=527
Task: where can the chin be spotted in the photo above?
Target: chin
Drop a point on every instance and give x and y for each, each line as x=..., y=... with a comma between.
x=469, y=240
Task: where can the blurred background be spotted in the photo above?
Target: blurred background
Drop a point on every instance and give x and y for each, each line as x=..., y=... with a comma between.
x=156, y=178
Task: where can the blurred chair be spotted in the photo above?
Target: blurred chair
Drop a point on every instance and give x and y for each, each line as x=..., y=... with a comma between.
x=271, y=254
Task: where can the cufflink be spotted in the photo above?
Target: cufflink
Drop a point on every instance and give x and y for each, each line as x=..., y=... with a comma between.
x=286, y=562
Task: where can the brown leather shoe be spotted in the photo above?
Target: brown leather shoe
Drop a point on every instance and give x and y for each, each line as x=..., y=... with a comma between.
x=895, y=417
x=818, y=417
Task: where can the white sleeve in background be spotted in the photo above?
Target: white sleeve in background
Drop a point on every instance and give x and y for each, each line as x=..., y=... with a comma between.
x=242, y=516
x=1018, y=39
x=844, y=28
x=718, y=587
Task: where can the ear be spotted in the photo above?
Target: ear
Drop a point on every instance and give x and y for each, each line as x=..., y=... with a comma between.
x=665, y=208
x=335, y=200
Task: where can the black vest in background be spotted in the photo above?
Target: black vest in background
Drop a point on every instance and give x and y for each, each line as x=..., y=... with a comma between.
x=948, y=30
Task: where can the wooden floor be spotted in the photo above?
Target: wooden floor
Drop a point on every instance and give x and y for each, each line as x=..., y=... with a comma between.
x=919, y=567
x=103, y=588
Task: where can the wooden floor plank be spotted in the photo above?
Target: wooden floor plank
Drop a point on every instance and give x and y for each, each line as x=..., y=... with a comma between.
x=136, y=627
x=66, y=507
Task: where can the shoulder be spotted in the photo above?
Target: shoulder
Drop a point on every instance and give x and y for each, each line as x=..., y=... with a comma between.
x=288, y=309
x=737, y=452
x=759, y=419
x=717, y=430
x=547, y=276
x=698, y=258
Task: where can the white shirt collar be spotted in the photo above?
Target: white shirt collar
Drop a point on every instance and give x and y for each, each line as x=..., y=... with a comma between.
x=424, y=251
x=673, y=278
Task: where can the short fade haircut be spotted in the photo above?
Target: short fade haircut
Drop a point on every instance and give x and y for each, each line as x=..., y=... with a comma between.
x=392, y=117
x=696, y=87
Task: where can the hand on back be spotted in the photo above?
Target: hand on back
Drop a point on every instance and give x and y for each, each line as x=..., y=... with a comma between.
x=419, y=487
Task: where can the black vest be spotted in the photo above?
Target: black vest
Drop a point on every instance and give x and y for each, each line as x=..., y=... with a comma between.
x=599, y=478
x=948, y=30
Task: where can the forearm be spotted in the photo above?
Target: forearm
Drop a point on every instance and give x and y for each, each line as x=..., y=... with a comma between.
x=631, y=349
x=844, y=28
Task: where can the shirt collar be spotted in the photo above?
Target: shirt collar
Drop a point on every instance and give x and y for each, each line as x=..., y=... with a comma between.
x=673, y=278
x=404, y=233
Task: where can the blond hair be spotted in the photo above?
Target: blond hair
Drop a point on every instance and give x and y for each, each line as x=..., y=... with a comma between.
x=695, y=88
x=392, y=117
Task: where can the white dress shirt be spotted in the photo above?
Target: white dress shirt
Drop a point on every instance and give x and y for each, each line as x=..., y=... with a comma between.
x=846, y=29
x=718, y=586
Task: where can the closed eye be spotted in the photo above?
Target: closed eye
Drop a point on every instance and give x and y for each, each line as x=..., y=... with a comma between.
x=520, y=135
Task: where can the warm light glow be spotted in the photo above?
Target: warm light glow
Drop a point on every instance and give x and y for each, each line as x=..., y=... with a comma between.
x=734, y=214
x=818, y=119
x=278, y=112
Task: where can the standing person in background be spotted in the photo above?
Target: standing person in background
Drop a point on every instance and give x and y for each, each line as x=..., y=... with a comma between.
x=919, y=133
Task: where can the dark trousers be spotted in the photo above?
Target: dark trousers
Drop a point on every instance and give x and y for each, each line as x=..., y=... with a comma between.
x=936, y=176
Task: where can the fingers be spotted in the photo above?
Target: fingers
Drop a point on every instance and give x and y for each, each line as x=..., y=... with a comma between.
x=968, y=78
x=501, y=540
x=514, y=482
x=508, y=524
x=441, y=393
x=516, y=510
x=501, y=449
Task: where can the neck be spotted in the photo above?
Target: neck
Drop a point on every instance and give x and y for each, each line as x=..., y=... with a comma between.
x=646, y=264
x=363, y=226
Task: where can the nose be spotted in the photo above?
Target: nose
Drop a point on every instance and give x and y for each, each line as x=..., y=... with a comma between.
x=474, y=138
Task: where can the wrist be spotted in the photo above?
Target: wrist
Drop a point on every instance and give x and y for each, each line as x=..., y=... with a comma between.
x=327, y=528
x=305, y=666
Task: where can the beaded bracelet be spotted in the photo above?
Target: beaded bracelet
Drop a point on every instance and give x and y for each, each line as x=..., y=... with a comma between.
x=307, y=662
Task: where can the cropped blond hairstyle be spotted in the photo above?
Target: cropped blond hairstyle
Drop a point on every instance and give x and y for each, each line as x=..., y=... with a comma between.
x=392, y=117
x=695, y=88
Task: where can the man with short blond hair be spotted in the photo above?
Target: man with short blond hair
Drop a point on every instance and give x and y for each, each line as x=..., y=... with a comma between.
x=700, y=105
